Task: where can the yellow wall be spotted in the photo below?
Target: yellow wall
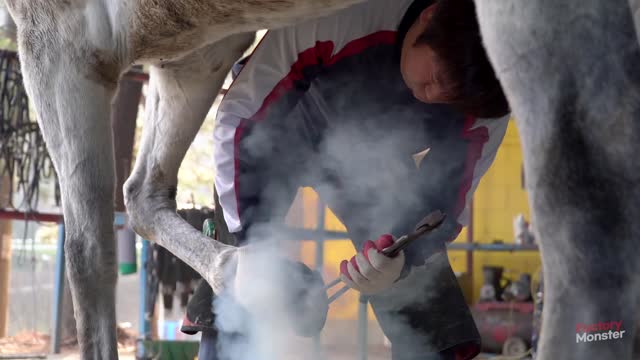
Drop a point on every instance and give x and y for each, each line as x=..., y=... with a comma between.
x=498, y=199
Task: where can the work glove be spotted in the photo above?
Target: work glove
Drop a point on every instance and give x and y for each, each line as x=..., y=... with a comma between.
x=370, y=271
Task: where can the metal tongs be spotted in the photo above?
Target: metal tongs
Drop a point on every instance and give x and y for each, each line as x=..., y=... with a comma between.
x=425, y=226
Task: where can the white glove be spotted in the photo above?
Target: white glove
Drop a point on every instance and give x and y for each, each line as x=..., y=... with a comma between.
x=370, y=271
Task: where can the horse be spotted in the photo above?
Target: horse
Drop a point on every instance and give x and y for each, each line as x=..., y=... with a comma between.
x=569, y=69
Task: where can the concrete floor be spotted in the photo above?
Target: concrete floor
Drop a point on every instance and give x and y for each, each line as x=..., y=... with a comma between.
x=333, y=355
x=31, y=296
x=338, y=344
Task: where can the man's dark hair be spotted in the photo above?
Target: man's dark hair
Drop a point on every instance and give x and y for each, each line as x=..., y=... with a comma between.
x=453, y=34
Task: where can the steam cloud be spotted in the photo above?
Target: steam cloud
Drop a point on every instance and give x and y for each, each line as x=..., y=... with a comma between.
x=364, y=170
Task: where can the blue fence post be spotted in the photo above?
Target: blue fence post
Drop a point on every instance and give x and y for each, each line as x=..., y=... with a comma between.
x=58, y=292
x=320, y=239
x=144, y=324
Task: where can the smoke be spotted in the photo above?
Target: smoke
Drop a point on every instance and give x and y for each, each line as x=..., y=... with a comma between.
x=253, y=333
x=271, y=301
x=357, y=152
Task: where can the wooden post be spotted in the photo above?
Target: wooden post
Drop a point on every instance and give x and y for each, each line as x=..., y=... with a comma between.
x=5, y=260
x=68, y=326
x=123, y=122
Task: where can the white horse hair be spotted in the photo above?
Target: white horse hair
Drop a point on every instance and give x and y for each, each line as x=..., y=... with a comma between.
x=569, y=68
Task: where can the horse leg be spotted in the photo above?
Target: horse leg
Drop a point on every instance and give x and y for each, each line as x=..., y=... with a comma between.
x=180, y=96
x=570, y=71
x=71, y=88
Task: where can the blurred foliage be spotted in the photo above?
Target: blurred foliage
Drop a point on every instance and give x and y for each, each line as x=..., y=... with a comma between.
x=197, y=172
x=196, y=175
x=47, y=233
x=8, y=44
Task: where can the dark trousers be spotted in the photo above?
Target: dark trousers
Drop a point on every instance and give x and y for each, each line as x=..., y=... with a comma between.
x=208, y=346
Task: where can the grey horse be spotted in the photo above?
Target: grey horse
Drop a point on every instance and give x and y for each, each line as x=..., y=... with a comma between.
x=569, y=68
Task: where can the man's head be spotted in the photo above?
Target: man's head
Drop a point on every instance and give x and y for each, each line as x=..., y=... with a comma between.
x=443, y=60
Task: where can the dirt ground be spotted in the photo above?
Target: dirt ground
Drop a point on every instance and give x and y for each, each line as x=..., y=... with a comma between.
x=26, y=343
x=34, y=343
x=337, y=342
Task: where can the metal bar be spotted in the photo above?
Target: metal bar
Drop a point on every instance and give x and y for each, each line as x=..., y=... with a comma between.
x=320, y=227
x=320, y=236
x=335, y=282
x=58, y=293
x=424, y=227
x=491, y=247
x=363, y=324
x=291, y=233
x=144, y=322
x=34, y=216
x=338, y=293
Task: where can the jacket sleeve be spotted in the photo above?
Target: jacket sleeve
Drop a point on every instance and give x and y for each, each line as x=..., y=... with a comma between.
x=266, y=89
x=270, y=85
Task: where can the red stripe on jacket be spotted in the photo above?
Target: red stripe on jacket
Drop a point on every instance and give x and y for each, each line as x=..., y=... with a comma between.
x=320, y=54
x=477, y=138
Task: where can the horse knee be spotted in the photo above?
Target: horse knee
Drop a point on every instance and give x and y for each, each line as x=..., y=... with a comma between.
x=131, y=191
x=134, y=204
x=89, y=259
x=144, y=196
